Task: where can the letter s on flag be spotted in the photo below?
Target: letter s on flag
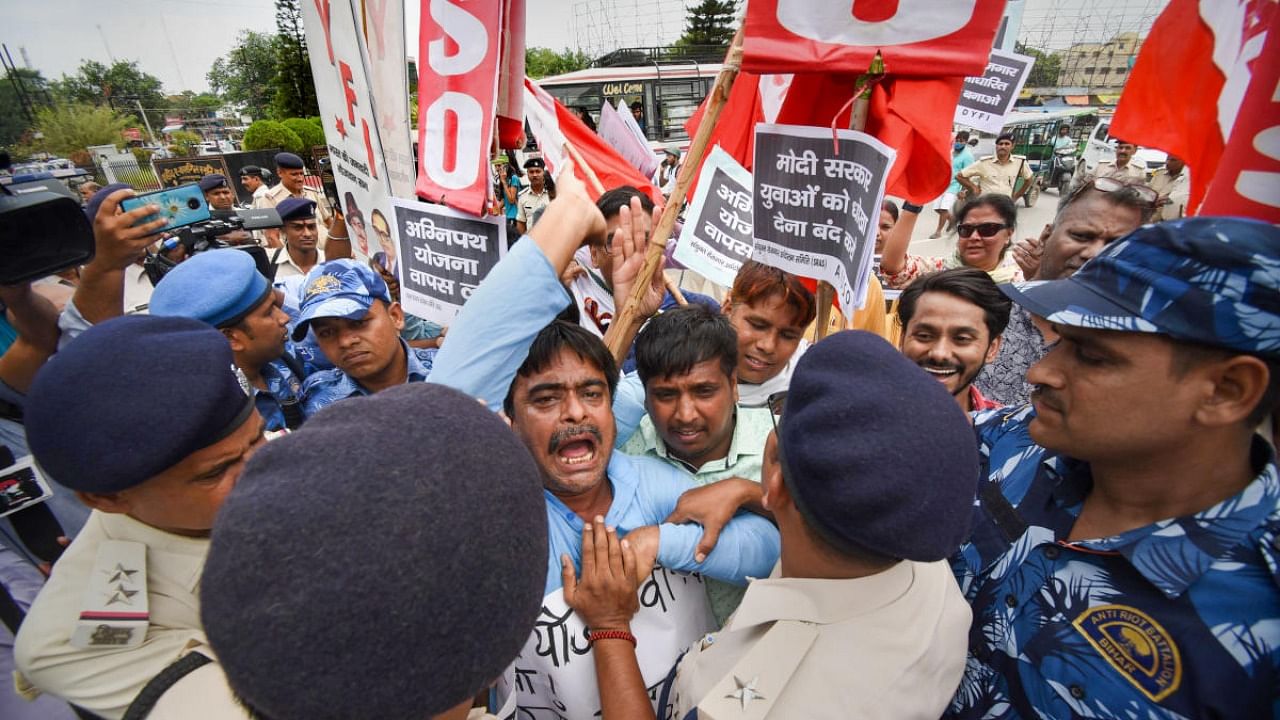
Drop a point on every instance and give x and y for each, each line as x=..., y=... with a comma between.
x=922, y=38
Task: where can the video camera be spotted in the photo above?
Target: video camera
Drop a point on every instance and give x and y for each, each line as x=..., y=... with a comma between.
x=204, y=236
x=42, y=229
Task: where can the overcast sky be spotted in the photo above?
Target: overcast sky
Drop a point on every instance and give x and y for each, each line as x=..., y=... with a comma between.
x=178, y=40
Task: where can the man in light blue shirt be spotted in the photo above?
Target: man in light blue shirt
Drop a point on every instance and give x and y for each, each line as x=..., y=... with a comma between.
x=961, y=158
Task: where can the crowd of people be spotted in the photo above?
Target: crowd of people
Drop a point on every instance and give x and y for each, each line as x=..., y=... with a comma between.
x=1041, y=483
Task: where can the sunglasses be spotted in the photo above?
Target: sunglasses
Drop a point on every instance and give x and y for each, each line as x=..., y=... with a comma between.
x=986, y=230
x=1112, y=185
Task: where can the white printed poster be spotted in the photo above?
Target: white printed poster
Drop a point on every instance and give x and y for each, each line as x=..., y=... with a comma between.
x=986, y=100
x=717, y=238
x=444, y=254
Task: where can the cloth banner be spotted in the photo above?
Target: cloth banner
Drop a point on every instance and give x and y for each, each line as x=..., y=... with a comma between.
x=986, y=99
x=444, y=254
x=815, y=208
x=615, y=131
x=511, y=77
x=383, y=41
x=717, y=238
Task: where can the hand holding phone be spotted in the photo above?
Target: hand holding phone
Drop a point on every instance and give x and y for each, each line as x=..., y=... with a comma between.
x=119, y=238
x=178, y=207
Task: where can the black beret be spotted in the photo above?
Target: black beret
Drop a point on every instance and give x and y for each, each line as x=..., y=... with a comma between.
x=288, y=160
x=130, y=398
x=878, y=455
x=388, y=560
x=534, y=162
x=253, y=170
x=212, y=181
x=292, y=208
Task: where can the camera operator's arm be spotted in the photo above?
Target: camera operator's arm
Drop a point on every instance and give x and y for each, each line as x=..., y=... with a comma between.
x=36, y=320
x=119, y=240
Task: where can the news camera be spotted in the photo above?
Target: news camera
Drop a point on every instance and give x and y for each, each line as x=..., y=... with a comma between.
x=42, y=229
x=206, y=235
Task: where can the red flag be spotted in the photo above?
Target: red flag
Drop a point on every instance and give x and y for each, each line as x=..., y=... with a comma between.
x=555, y=127
x=457, y=95
x=1222, y=120
x=923, y=38
x=511, y=77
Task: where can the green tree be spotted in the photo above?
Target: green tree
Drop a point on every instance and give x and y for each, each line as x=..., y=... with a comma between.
x=122, y=86
x=1047, y=68
x=193, y=105
x=307, y=131
x=184, y=142
x=269, y=134
x=68, y=128
x=710, y=22
x=295, y=91
x=14, y=120
x=542, y=62
x=245, y=76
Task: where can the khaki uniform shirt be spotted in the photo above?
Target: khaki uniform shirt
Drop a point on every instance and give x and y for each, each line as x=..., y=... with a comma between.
x=529, y=203
x=324, y=214
x=891, y=645
x=1108, y=169
x=286, y=267
x=106, y=681
x=997, y=177
x=1176, y=188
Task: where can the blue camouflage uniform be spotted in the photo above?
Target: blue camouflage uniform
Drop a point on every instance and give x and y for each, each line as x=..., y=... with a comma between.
x=1177, y=619
x=329, y=386
x=284, y=388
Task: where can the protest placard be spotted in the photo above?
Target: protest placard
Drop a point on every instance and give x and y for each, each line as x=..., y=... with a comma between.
x=444, y=254
x=339, y=67
x=384, y=44
x=815, y=208
x=614, y=129
x=986, y=99
x=717, y=239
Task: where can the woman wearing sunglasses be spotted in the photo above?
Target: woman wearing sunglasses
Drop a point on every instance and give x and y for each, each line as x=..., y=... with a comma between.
x=986, y=226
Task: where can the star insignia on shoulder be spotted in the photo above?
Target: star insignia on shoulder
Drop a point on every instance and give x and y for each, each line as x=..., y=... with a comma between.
x=746, y=691
x=121, y=595
x=122, y=574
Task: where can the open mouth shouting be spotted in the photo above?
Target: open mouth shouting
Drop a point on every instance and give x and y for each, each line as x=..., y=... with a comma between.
x=575, y=446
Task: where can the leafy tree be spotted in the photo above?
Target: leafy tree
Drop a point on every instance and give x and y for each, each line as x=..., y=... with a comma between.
x=14, y=121
x=184, y=142
x=310, y=133
x=269, y=134
x=72, y=127
x=246, y=76
x=1047, y=68
x=542, y=62
x=193, y=105
x=118, y=86
x=295, y=94
x=710, y=22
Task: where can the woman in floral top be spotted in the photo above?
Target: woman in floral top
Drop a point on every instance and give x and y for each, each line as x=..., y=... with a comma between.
x=986, y=226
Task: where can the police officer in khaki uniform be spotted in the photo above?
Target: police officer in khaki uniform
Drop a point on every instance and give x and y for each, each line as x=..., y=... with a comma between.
x=291, y=171
x=153, y=451
x=999, y=173
x=862, y=617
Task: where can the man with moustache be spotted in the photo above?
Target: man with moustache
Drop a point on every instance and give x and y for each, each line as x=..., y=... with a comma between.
x=1123, y=554
x=301, y=250
x=1121, y=168
x=292, y=173
x=997, y=174
x=1091, y=218
x=952, y=321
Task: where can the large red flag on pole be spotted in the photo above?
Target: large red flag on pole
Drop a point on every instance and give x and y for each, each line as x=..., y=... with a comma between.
x=1223, y=117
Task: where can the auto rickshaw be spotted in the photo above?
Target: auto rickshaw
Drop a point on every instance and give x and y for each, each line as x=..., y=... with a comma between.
x=1033, y=138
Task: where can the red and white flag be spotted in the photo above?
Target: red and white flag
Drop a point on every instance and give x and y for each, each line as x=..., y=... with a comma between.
x=556, y=127
x=1223, y=117
x=457, y=100
x=511, y=77
x=922, y=38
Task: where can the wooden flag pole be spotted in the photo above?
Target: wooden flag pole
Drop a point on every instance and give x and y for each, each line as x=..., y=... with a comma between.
x=598, y=186
x=857, y=121
x=693, y=159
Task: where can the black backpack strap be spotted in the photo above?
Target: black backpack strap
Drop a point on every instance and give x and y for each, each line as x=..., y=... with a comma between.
x=142, y=705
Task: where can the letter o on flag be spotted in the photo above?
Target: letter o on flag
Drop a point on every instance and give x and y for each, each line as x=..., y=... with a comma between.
x=833, y=21
x=466, y=145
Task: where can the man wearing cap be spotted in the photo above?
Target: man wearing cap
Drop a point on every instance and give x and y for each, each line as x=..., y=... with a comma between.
x=665, y=176
x=305, y=629
x=253, y=181
x=533, y=198
x=1003, y=173
x=291, y=171
x=301, y=239
x=224, y=289
x=222, y=202
x=153, y=450
x=861, y=617
x=357, y=325
x=1124, y=550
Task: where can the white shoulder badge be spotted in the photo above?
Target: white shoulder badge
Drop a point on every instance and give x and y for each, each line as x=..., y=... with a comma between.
x=755, y=683
x=115, y=611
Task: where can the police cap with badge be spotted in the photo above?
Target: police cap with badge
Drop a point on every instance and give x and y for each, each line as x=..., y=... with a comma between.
x=339, y=288
x=296, y=208
x=288, y=161
x=213, y=181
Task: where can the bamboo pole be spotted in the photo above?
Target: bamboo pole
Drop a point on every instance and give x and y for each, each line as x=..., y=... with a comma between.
x=693, y=159
x=857, y=121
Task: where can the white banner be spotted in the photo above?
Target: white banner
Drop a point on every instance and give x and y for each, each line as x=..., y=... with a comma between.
x=389, y=82
x=630, y=145
x=985, y=100
x=717, y=238
x=444, y=254
x=340, y=70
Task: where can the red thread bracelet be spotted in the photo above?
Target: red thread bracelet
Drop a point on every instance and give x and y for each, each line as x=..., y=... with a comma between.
x=594, y=635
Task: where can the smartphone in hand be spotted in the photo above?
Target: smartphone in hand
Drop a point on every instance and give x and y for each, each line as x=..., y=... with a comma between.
x=180, y=206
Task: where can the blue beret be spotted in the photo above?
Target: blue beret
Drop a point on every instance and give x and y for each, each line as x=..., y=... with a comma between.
x=95, y=202
x=326, y=595
x=877, y=454
x=288, y=160
x=339, y=288
x=293, y=208
x=1209, y=280
x=218, y=287
x=131, y=398
x=212, y=181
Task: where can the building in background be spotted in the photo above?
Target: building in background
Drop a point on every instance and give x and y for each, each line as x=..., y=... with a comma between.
x=1100, y=67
